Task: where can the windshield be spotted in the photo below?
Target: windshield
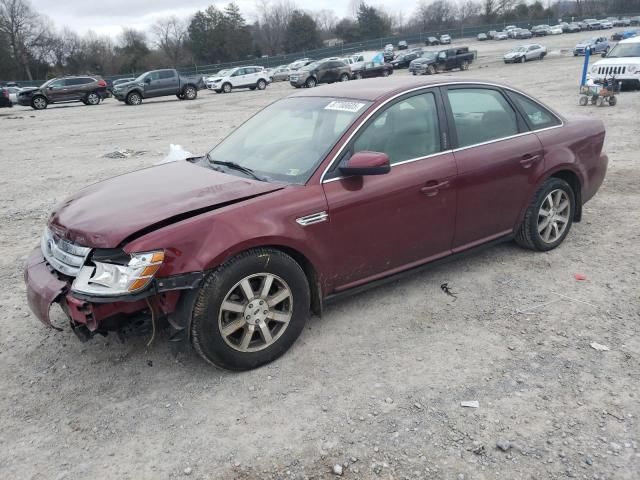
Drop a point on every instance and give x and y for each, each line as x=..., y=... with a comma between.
x=588, y=41
x=625, y=50
x=311, y=66
x=518, y=49
x=222, y=73
x=287, y=140
x=428, y=55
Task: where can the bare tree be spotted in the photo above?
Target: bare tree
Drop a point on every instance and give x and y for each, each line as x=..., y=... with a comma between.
x=326, y=20
x=24, y=30
x=468, y=9
x=170, y=34
x=273, y=19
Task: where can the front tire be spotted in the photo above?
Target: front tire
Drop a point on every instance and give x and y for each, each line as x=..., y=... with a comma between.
x=310, y=83
x=549, y=217
x=250, y=310
x=39, y=102
x=523, y=59
x=344, y=77
x=226, y=88
x=431, y=70
x=134, y=98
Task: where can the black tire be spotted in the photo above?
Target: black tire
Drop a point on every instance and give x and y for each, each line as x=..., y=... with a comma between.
x=261, y=85
x=227, y=87
x=179, y=96
x=465, y=66
x=523, y=59
x=613, y=101
x=344, y=77
x=39, y=102
x=311, y=82
x=252, y=88
x=385, y=73
x=206, y=336
x=134, y=98
x=431, y=70
x=190, y=92
x=358, y=76
x=527, y=235
x=92, y=98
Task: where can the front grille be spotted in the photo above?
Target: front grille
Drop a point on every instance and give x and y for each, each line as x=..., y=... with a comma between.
x=618, y=70
x=64, y=256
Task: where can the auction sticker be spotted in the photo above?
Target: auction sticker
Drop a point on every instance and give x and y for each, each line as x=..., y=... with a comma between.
x=343, y=106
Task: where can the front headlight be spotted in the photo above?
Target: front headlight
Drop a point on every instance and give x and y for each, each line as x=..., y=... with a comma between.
x=110, y=279
x=632, y=69
x=594, y=69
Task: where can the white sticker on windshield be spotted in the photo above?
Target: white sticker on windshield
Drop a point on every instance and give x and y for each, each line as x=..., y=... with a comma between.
x=343, y=106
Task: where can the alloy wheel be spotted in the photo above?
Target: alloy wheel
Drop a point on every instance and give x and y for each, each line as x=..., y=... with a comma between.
x=93, y=99
x=255, y=312
x=39, y=103
x=553, y=216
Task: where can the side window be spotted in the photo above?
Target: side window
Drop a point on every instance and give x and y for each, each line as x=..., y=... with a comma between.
x=239, y=72
x=481, y=115
x=407, y=129
x=166, y=74
x=152, y=76
x=537, y=116
x=70, y=82
x=57, y=84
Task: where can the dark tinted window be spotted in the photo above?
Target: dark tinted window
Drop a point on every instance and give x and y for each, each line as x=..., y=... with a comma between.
x=405, y=130
x=166, y=74
x=78, y=81
x=537, y=116
x=481, y=115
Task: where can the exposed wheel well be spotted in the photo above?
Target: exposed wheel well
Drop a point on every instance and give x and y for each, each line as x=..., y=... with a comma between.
x=574, y=182
x=309, y=271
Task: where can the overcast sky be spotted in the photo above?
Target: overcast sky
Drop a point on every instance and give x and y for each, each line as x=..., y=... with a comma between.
x=110, y=16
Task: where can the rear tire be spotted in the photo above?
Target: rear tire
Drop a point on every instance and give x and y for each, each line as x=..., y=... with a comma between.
x=92, y=99
x=537, y=231
x=235, y=325
x=465, y=66
x=190, y=93
x=613, y=101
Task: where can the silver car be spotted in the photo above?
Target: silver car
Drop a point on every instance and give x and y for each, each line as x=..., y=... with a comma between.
x=524, y=53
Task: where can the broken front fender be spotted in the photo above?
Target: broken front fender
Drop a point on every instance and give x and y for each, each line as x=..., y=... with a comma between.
x=43, y=288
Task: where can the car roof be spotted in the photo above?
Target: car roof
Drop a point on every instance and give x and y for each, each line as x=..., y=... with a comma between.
x=631, y=40
x=377, y=88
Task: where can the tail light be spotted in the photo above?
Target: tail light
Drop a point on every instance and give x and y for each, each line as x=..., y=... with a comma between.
x=102, y=83
x=5, y=93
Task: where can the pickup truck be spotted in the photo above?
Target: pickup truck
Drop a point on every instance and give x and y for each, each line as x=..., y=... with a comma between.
x=158, y=83
x=432, y=62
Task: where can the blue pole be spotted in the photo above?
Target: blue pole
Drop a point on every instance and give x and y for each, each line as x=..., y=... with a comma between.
x=585, y=68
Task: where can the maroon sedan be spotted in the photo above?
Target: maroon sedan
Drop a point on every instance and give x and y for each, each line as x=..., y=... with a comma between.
x=316, y=196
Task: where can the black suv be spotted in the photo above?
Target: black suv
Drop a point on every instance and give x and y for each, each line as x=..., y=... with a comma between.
x=323, y=71
x=88, y=89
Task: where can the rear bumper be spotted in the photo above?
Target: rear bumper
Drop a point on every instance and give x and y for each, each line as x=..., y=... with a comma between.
x=45, y=288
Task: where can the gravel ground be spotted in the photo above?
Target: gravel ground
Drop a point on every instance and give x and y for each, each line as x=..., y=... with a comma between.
x=374, y=388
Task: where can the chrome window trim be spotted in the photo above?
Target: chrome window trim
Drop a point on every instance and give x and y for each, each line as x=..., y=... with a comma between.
x=426, y=87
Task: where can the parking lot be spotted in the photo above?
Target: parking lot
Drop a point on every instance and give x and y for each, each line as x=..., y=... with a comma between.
x=376, y=384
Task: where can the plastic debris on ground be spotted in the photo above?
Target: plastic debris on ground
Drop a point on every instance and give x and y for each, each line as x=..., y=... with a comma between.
x=579, y=276
x=176, y=154
x=470, y=404
x=599, y=347
x=126, y=153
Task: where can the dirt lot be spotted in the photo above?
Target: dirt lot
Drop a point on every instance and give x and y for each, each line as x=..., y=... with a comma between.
x=375, y=384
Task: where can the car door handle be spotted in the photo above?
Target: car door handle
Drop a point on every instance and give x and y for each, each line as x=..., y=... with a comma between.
x=431, y=188
x=528, y=160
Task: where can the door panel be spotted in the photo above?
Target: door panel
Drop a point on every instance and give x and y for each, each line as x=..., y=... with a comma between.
x=387, y=222
x=494, y=184
x=498, y=161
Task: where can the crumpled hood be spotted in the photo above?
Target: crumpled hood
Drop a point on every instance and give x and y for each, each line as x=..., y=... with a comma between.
x=105, y=214
x=511, y=54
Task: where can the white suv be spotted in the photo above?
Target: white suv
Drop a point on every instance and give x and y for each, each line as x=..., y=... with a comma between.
x=622, y=62
x=240, y=77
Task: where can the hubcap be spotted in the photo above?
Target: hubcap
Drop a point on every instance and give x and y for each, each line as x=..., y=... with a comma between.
x=255, y=312
x=553, y=216
x=39, y=102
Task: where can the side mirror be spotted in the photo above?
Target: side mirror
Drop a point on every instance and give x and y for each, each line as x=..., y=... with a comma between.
x=147, y=80
x=367, y=163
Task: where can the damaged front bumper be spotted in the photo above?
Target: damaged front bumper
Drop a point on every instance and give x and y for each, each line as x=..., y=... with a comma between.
x=89, y=315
